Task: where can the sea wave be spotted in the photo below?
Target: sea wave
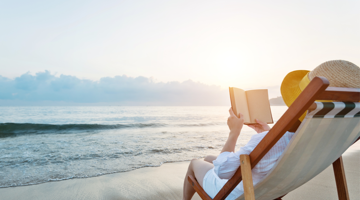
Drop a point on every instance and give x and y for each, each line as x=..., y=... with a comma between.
x=202, y=124
x=17, y=129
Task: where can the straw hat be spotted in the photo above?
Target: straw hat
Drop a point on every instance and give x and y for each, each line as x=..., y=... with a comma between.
x=340, y=73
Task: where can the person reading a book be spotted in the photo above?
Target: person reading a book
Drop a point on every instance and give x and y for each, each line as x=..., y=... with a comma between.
x=214, y=171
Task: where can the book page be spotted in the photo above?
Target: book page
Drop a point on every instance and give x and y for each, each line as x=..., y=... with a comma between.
x=241, y=104
x=259, y=105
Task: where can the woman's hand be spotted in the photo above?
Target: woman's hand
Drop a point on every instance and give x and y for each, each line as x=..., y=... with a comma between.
x=235, y=123
x=260, y=126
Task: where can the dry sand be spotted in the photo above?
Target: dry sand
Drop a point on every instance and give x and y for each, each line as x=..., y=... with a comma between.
x=166, y=182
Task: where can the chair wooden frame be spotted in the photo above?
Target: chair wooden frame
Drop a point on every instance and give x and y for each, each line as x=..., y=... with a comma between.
x=316, y=90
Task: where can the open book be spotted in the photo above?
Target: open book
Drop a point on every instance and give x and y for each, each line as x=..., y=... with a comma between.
x=253, y=104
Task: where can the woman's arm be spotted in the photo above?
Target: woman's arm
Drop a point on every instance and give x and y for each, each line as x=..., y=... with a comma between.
x=230, y=143
x=235, y=125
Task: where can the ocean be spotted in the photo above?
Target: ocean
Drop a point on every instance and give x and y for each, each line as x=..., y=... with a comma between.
x=43, y=144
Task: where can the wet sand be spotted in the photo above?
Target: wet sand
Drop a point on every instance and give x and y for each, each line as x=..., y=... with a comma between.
x=166, y=183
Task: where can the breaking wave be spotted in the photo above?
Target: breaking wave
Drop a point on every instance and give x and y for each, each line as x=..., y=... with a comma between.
x=17, y=129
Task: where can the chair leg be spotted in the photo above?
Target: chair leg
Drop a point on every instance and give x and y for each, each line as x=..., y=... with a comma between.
x=280, y=198
x=198, y=188
x=340, y=179
x=247, y=177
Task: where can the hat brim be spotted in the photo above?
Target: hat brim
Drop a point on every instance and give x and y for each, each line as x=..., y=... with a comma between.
x=290, y=89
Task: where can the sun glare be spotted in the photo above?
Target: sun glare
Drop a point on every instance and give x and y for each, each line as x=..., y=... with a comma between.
x=231, y=68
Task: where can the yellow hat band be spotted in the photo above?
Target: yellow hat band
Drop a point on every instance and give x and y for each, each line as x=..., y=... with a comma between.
x=304, y=82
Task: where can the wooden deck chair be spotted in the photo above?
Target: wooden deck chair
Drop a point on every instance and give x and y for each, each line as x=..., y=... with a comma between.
x=319, y=141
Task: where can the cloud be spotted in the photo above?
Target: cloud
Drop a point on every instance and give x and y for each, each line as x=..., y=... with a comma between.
x=44, y=88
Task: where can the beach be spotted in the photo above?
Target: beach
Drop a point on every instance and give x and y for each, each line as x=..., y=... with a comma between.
x=166, y=181
x=115, y=99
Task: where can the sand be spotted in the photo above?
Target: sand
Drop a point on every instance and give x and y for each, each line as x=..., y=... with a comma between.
x=166, y=183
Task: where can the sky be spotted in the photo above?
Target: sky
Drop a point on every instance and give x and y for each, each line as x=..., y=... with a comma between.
x=211, y=44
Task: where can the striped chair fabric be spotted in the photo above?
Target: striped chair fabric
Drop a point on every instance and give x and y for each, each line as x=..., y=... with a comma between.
x=323, y=136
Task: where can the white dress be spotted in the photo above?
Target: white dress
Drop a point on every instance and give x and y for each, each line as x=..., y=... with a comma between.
x=227, y=163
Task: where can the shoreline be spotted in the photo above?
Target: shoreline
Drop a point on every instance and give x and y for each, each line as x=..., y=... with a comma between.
x=166, y=181
x=68, y=179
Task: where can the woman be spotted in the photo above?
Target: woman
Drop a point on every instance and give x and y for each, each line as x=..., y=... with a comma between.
x=213, y=172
